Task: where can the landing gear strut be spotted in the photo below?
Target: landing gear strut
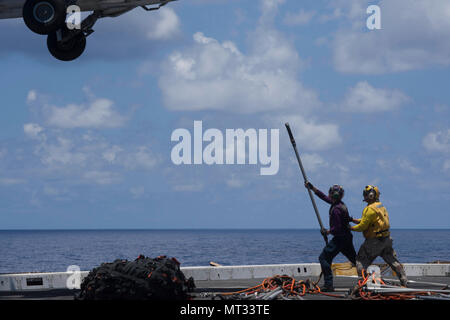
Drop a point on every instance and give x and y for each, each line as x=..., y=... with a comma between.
x=67, y=45
x=48, y=17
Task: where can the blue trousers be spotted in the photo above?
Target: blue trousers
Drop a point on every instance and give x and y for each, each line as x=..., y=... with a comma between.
x=339, y=244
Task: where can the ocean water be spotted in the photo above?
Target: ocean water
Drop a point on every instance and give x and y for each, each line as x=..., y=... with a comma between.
x=55, y=250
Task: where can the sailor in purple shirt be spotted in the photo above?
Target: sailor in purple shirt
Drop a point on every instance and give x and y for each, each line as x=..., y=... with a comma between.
x=342, y=241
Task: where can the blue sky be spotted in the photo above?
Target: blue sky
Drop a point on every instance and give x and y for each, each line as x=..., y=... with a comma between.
x=86, y=144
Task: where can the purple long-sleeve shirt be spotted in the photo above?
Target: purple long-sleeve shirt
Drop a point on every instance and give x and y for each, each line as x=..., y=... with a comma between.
x=339, y=217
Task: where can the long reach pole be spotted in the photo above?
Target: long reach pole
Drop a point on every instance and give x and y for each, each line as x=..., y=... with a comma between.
x=294, y=145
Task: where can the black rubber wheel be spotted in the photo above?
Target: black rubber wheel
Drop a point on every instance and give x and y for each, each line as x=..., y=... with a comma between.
x=44, y=16
x=69, y=50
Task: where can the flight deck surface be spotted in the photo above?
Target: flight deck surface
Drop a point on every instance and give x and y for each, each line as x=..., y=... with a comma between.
x=212, y=289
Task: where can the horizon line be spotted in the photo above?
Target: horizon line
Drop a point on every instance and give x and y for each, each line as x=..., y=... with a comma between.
x=192, y=229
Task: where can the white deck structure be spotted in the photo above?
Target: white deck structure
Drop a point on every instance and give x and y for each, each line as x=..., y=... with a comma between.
x=72, y=280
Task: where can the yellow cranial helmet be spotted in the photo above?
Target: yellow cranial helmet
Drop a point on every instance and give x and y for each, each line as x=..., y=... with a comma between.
x=371, y=193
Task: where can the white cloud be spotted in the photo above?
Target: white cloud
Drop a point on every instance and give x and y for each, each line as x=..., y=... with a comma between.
x=32, y=96
x=218, y=76
x=111, y=154
x=64, y=152
x=142, y=158
x=269, y=9
x=384, y=164
x=270, y=5
x=337, y=13
x=408, y=166
x=437, y=141
x=135, y=25
x=398, y=164
x=446, y=165
x=313, y=161
x=78, y=154
x=215, y=75
x=234, y=182
x=365, y=98
x=309, y=134
x=166, y=26
x=33, y=130
x=51, y=191
x=193, y=187
x=300, y=18
x=58, y=193
x=84, y=154
x=101, y=177
x=99, y=113
x=72, y=153
x=410, y=39
x=11, y=181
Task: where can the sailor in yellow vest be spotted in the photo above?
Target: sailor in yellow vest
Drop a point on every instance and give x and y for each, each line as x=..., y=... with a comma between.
x=374, y=224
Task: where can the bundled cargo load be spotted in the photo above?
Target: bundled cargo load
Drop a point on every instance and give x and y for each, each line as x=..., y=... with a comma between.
x=142, y=279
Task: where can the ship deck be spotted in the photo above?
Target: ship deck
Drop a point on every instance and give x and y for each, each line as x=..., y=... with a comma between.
x=211, y=289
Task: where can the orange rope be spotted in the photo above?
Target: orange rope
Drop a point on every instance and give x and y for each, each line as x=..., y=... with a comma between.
x=299, y=288
x=387, y=296
x=288, y=284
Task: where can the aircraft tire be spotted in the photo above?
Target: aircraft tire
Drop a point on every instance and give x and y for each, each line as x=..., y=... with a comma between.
x=44, y=16
x=66, y=51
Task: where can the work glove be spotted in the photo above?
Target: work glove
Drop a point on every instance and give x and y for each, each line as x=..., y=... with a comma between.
x=309, y=185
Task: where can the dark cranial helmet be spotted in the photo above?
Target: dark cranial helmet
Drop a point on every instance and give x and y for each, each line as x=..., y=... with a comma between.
x=371, y=193
x=336, y=192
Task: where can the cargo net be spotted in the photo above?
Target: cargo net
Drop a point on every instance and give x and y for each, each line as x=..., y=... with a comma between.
x=370, y=287
x=142, y=279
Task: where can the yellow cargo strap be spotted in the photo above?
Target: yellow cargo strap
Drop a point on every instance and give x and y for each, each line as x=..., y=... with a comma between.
x=344, y=269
